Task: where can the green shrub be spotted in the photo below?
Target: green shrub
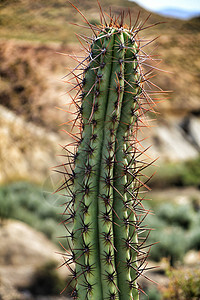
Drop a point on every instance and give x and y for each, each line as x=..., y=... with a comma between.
x=152, y=294
x=192, y=172
x=176, y=228
x=25, y=202
x=181, y=215
x=171, y=244
x=178, y=174
x=194, y=238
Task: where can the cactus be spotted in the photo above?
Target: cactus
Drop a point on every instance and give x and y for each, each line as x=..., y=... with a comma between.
x=108, y=246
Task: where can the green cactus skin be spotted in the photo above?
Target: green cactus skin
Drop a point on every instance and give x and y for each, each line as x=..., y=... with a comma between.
x=105, y=206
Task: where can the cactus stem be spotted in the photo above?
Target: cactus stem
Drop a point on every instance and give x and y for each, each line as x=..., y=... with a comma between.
x=105, y=178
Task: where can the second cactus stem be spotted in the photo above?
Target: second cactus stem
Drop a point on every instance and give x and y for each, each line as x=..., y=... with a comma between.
x=108, y=245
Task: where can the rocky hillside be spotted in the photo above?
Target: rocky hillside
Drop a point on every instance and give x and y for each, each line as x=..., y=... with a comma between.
x=27, y=151
x=33, y=33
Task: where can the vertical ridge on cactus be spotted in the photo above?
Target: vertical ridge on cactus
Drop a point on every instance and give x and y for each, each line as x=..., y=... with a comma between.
x=105, y=209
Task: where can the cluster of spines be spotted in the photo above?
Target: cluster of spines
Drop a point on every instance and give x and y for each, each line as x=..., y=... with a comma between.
x=105, y=180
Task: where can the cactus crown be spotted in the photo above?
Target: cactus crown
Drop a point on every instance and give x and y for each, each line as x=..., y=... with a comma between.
x=105, y=175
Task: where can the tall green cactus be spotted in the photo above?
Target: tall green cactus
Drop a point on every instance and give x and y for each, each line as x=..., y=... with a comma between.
x=108, y=251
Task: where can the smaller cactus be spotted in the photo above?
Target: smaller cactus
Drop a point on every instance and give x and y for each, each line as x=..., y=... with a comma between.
x=105, y=204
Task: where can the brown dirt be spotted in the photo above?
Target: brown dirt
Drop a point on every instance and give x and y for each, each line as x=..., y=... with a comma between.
x=31, y=81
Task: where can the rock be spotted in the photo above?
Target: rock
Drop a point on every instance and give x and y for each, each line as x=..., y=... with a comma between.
x=192, y=258
x=8, y=292
x=195, y=131
x=27, y=151
x=174, y=138
x=22, y=251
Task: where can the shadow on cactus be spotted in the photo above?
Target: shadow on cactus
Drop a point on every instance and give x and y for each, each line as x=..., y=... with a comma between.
x=104, y=176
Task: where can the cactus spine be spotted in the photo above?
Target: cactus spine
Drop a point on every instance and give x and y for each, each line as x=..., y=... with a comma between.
x=104, y=184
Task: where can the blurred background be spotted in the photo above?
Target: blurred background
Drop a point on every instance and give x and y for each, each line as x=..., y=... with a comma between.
x=34, y=38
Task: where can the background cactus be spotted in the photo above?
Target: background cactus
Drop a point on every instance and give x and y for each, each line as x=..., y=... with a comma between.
x=106, y=178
